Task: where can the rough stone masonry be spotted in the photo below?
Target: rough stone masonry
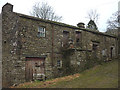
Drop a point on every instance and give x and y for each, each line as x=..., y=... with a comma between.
x=36, y=49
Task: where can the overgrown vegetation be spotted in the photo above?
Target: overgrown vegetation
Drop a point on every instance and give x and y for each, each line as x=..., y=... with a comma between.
x=100, y=76
x=66, y=61
x=92, y=61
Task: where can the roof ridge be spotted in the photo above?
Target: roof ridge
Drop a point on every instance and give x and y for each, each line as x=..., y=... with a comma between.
x=63, y=24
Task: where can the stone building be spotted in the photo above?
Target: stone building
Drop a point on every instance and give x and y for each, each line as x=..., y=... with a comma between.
x=33, y=48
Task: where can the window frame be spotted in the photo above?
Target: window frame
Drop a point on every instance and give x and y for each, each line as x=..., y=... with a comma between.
x=66, y=34
x=78, y=38
x=65, y=39
x=59, y=63
x=41, y=32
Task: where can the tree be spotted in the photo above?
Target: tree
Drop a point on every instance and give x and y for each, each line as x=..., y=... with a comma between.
x=93, y=18
x=114, y=27
x=113, y=23
x=93, y=15
x=91, y=25
x=45, y=11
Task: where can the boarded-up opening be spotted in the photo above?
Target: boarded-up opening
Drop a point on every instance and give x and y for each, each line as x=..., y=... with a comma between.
x=78, y=38
x=35, y=68
x=65, y=38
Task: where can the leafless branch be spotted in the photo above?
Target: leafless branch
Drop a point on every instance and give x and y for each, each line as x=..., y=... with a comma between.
x=45, y=11
x=113, y=21
x=93, y=15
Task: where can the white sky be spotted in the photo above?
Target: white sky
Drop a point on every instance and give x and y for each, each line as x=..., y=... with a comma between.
x=72, y=11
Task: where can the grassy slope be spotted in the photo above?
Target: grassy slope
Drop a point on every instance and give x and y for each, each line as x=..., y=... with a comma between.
x=101, y=76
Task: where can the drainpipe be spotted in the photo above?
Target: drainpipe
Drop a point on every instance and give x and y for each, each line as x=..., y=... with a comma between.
x=52, y=57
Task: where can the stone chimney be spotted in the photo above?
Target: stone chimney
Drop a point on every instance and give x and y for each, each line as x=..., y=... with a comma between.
x=7, y=8
x=81, y=25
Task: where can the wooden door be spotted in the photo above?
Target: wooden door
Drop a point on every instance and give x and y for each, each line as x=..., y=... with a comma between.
x=35, y=68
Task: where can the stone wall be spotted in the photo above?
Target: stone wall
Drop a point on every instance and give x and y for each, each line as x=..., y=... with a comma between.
x=0, y=51
x=12, y=65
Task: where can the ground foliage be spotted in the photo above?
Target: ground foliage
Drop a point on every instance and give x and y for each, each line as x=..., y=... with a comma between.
x=100, y=76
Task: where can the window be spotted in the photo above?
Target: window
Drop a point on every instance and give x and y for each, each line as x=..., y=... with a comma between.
x=65, y=34
x=41, y=32
x=104, y=52
x=65, y=38
x=78, y=38
x=59, y=63
x=95, y=46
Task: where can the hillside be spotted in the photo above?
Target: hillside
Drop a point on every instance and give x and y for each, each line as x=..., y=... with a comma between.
x=100, y=76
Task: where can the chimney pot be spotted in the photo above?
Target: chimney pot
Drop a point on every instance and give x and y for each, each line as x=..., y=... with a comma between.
x=81, y=25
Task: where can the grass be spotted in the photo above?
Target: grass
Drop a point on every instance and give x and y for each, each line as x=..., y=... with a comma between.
x=100, y=76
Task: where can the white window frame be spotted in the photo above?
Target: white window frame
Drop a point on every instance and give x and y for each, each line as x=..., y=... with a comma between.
x=41, y=31
x=59, y=65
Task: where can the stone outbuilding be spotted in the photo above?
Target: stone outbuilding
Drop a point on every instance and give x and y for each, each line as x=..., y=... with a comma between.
x=35, y=49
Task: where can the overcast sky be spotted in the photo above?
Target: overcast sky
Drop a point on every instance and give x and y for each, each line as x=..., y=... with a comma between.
x=72, y=11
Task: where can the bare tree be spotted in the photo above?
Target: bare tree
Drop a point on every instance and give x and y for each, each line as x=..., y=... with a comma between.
x=93, y=15
x=93, y=18
x=45, y=11
x=113, y=23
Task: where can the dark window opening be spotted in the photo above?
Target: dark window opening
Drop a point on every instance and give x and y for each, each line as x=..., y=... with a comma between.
x=78, y=38
x=77, y=32
x=65, y=34
x=4, y=41
x=36, y=65
x=94, y=47
x=95, y=50
x=65, y=38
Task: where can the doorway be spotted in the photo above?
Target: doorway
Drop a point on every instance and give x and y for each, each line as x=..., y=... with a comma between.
x=111, y=52
x=35, y=68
